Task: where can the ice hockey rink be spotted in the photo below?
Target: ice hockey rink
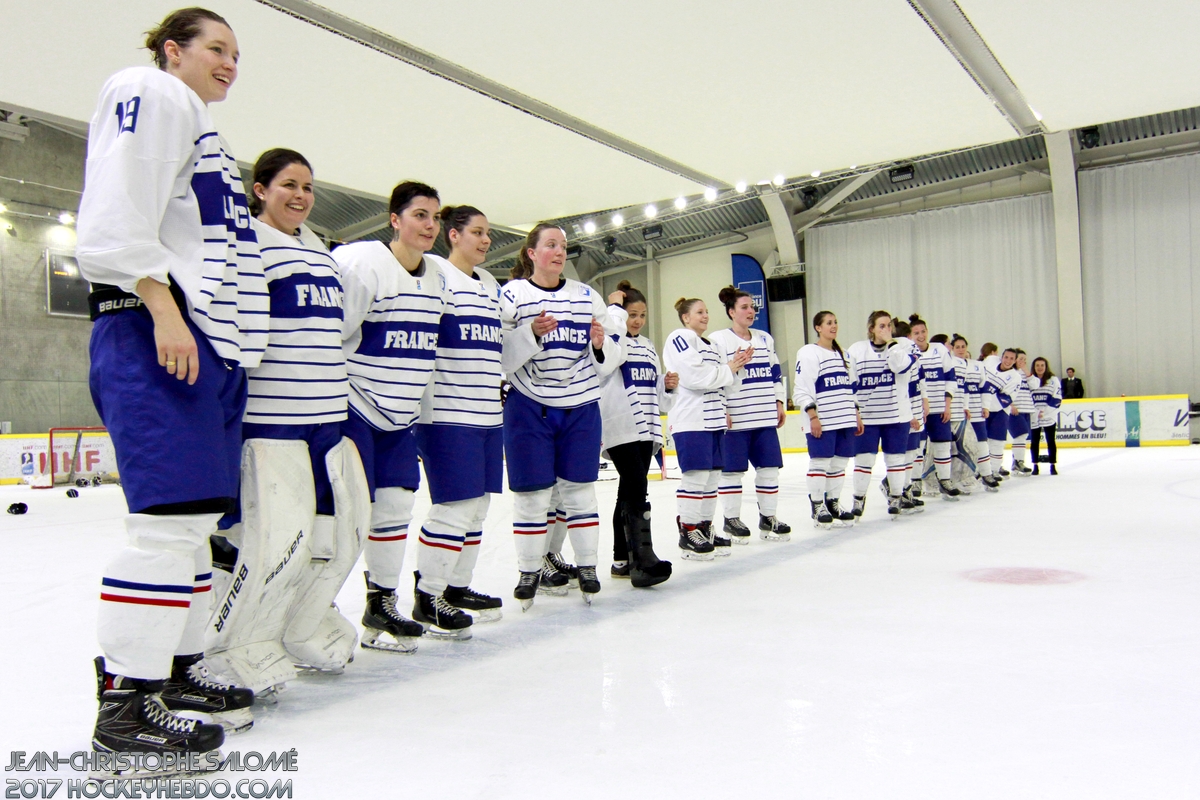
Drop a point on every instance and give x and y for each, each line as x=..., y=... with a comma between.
x=1036, y=643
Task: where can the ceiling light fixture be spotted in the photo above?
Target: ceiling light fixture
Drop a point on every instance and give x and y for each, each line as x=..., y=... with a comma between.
x=589, y=227
x=618, y=220
x=778, y=180
x=681, y=203
x=710, y=194
x=816, y=173
x=651, y=232
x=651, y=211
x=65, y=218
x=741, y=187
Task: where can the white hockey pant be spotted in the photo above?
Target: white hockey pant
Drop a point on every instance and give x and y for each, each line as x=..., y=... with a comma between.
x=449, y=532
x=155, y=594
x=696, y=497
x=391, y=514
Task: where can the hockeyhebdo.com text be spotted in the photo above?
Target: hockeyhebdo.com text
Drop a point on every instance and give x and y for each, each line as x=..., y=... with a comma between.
x=150, y=775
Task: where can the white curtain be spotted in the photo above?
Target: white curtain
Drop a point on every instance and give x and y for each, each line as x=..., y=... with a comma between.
x=984, y=270
x=1140, y=233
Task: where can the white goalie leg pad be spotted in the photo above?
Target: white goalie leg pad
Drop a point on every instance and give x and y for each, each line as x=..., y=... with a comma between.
x=441, y=542
x=529, y=527
x=464, y=569
x=391, y=515
x=556, y=522
x=244, y=636
x=766, y=489
x=317, y=635
x=583, y=520
x=729, y=487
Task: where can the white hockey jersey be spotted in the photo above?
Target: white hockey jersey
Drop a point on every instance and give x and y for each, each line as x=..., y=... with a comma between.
x=465, y=388
x=633, y=398
x=958, y=403
x=880, y=377
x=751, y=402
x=937, y=371
x=1000, y=387
x=390, y=333
x=975, y=383
x=1022, y=396
x=1047, y=399
x=823, y=379
x=703, y=374
x=302, y=377
x=560, y=369
x=163, y=198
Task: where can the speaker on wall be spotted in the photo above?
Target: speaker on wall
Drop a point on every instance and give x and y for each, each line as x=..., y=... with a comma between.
x=789, y=287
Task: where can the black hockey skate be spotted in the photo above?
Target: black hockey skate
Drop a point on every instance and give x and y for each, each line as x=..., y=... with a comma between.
x=895, y=506
x=527, y=587
x=772, y=530
x=915, y=504
x=1020, y=470
x=381, y=617
x=562, y=565
x=693, y=543
x=620, y=569
x=737, y=530
x=860, y=503
x=589, y=583
x=439, y=618
x=192, y=689
x=553, y=583
x=1003, y=473
x=821, y=516
x=948, y=489
x=133, y=719
x=645, y=568
x=990, y=483
x=722, y=545
x=484, y=608
x=841, y=517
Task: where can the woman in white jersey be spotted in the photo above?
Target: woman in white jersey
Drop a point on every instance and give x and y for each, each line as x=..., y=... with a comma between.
x=180, y=304
x=1047, y=399
x=997, y=401
x=1020, y=420
x=460, y=434
x=697, y=425
x=880, y=370
x=910, y=498
x=937, y=372
x=824, y=393
x=555, y=352
x=755, y=408
x=974, y=387
x=631, y=401
x=959, y=413
x=394, y=298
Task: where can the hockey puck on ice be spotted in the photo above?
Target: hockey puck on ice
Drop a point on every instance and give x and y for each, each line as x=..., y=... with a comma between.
x=18, y=508
x=72, y=493
x=81, y=482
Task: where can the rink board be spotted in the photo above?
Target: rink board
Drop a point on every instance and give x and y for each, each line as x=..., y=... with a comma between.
x=23, y=455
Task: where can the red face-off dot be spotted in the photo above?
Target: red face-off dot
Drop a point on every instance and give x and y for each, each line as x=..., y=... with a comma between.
x=1023, y=575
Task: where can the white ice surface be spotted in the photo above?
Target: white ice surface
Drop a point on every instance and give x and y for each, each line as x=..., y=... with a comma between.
x=854, y=664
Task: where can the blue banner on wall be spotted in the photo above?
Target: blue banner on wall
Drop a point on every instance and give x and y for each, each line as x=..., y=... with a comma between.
x=748, y=276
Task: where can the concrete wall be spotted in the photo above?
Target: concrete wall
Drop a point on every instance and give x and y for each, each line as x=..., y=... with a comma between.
x=43, y=359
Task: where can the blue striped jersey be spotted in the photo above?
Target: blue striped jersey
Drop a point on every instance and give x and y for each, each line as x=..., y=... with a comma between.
x=302, y=377
x=999, y=388
x=823, y=379
x=561, y=369
x=916, y=386
x=1022, y=396
x=163, y=199
x=958, y=404
x=937, y=372
x=751, y=401
x=1047, y=399
x=703, y=375
x=880, y=378
x=641, y=379
x=390, y=333
x=975, y=383
x=465, y=389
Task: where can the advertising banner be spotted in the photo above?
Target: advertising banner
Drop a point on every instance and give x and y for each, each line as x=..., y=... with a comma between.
x=1124, y=421
x=23, y=456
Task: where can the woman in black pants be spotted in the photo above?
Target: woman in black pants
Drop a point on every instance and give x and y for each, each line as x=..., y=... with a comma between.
x=1047, y=398
x=631, y=400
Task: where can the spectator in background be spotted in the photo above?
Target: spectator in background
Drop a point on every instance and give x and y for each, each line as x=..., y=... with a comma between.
x=1072, y=387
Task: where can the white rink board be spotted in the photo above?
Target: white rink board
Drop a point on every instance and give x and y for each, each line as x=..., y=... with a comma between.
x=24, y=455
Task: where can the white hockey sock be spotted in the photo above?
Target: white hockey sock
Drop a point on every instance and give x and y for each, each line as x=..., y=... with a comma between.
x=709, y=506
x=918, y=464
x=582, y=520
x=1018, y=448
x=766, y=488
x=896, y=467
x=529, y=527
x=391, y=514
x=835, y=478
x=441, y=542
x=730, y=489
x=556, y=522
x=192, y=640
x=996, y=448
x=689, y=497
x=863, y=464
x=464, y=569
x=910, y=472
x=983, y=458
x=817, y=479
x=941, y=460
x=146, y=593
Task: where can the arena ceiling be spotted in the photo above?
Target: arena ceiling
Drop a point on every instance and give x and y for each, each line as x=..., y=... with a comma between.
x=632, y=101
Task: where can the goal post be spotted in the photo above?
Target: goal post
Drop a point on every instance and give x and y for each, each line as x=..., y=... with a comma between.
x=72, y=453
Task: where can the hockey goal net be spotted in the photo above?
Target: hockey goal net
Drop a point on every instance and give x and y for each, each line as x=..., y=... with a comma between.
x=74, y=454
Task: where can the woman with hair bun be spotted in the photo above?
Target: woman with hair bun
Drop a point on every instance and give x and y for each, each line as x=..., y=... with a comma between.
x=697, y=425
x=631, y=401
x=756, y=408
x=975, y=381
x=937, y=372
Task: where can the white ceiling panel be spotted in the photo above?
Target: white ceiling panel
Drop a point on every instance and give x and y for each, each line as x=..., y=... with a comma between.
x=742, y=91
x=1083, y=62
x=364, y=120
